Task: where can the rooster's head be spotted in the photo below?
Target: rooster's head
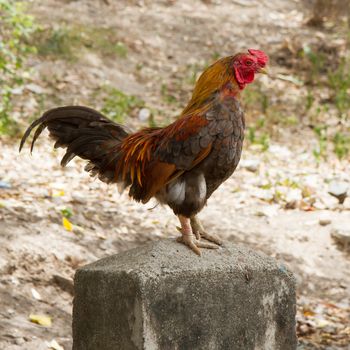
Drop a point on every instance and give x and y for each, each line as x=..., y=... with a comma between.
x=246, y=65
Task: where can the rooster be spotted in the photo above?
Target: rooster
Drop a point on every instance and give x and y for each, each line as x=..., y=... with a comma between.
x=180, y=165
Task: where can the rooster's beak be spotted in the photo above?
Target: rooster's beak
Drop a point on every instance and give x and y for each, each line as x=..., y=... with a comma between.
x=263, y=71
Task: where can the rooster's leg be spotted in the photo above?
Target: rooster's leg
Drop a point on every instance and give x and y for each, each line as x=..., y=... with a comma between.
x=199, y=232
x=189, y=239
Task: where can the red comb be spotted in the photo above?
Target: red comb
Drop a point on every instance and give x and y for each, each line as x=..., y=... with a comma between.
x=260, y=55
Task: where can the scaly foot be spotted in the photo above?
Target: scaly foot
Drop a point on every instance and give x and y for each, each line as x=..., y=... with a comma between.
x=190, y=240
x=199, y=232
x=194, y=244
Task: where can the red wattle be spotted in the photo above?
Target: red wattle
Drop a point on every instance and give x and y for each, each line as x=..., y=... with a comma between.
x=243, y=78
x=248, y=77
x=239, y=78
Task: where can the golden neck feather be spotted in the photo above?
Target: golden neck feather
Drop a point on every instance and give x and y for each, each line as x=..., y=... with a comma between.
x=211, y=80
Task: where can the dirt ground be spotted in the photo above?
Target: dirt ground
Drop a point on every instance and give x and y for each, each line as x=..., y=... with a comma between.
x=262, y=205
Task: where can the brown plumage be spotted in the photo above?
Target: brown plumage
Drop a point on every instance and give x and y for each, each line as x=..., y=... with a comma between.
x=180, y=165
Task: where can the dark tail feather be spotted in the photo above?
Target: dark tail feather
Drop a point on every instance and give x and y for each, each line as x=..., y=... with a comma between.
x=85, y=133
x=73, y=115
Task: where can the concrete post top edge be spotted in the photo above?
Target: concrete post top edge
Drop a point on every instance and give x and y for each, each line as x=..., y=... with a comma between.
x=168, y=257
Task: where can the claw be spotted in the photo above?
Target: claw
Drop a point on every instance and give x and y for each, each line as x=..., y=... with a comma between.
x=211, y=238
x=197, y=234
x=194, y=244
x=190, y=239
x=199, y=231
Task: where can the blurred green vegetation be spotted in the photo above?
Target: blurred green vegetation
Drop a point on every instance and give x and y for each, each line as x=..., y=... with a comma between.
x=341, y=143
x=336, y=79
x=117, y=105
x=55, y=41
x=339, y=82
x=257, y=135
x=15, y=30
x=68, y=41
x=21, y=36
x=168, y=95
x=317, y=70
x=328, y=117
x=257, y=101
x=67, y=212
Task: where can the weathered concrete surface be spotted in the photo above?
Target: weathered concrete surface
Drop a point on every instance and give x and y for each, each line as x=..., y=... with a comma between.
x=163, y=296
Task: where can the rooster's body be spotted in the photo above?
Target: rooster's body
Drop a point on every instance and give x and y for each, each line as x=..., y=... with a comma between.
x=180, y=165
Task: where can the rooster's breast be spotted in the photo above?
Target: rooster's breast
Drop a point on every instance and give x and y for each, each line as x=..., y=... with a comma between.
x=188, y=193
x=228, y=125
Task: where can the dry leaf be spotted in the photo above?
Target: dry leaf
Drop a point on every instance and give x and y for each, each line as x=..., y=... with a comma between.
x=101, y=236
x=67, y=224
x=322, y=323
x=42, y=320
x=58, y=193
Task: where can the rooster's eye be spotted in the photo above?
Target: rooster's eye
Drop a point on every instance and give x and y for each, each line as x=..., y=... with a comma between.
x=249, y=63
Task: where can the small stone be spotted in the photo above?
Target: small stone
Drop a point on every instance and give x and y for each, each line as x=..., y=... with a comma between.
x=78, y=198
x=35, y=294
x=293, y=204
x=36, y=89
x=266, y=195
x=280, y=151
x=17, y=91
x=65, y=283
x=293, y=198
x=78, y=230
x=319, y=205
x=311, y=182
x=324, y=222
x=10, y=311
x=250, y=164
x=268, y=211
x=144, y=114
x=303, y=329
x=338, y=189
x=341, y=236
x=19, y=341
x=4, y=185
x=54, y=345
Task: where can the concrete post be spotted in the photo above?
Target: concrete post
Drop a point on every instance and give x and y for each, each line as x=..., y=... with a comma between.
x=162, y=296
